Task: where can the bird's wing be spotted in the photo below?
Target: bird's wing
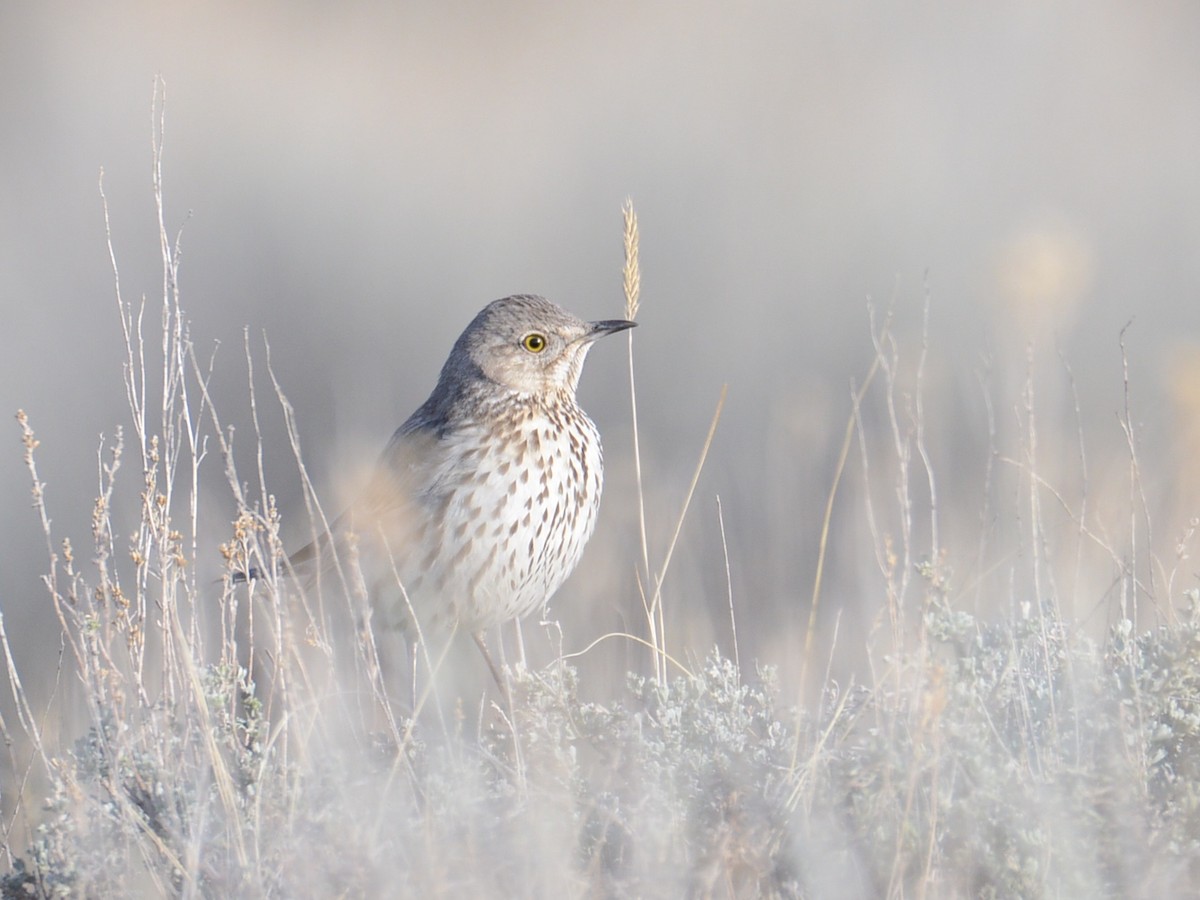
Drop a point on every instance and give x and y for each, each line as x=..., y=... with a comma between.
x=392, y=500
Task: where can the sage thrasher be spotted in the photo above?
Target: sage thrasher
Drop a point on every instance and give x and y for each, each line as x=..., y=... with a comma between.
x=483, y=500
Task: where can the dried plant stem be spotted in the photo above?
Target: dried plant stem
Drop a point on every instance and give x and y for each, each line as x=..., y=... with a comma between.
x=655, y=611
x=823, y=545
x=737, y=657
x=631, y=283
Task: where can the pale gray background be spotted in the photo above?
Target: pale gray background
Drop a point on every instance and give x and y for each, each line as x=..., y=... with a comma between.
x=363, y=177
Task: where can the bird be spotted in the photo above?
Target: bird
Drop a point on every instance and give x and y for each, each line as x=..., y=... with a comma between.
x=482, y=502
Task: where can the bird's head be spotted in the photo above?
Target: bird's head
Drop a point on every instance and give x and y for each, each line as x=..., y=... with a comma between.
x=528, y=344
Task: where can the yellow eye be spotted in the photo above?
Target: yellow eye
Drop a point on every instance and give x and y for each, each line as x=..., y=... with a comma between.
x=534, y=343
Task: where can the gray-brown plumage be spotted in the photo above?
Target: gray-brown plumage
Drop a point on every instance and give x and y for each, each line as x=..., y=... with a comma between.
x=484, y=499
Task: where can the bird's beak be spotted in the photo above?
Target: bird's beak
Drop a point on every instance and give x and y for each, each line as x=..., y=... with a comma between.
x=608, y=326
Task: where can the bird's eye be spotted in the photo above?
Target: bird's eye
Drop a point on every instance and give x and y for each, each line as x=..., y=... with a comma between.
x=534, y=343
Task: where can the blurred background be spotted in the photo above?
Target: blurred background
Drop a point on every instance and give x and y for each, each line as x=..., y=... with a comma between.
x=354, y=181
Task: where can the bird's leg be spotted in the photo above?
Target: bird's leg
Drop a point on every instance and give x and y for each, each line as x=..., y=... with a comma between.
x=496, y=674
x=487, y=655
